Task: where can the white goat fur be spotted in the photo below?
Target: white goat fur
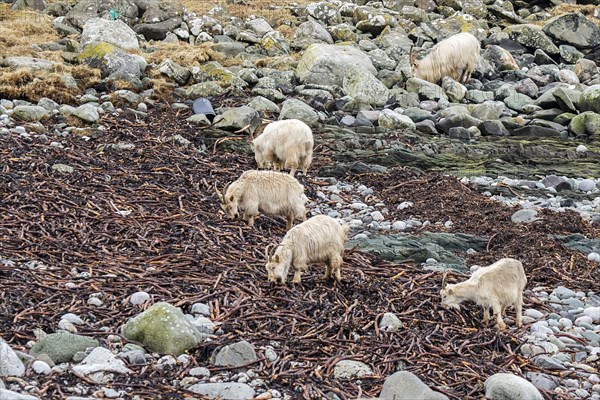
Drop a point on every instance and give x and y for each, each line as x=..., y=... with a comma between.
x=284, y=144
x=455, y=57
x=268, y=192
x=318, y=240
x=497, y=286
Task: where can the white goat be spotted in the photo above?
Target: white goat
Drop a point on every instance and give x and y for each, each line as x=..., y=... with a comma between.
x=497, y=286
x=455, y=57
x=268, y=192
x=284, y=144
x=318, y=240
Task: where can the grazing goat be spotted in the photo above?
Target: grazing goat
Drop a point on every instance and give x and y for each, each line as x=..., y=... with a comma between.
x=318, y=240
x=268, y=192
x=455, y=57
x=497, y=286
x=284, y=144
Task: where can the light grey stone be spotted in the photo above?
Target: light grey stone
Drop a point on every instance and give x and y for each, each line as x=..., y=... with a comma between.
x=504, y=386
x=405, y=385
x=235, y=355
x=115, y=32
x=10, y=364
x=350, y=369
x=224, y=390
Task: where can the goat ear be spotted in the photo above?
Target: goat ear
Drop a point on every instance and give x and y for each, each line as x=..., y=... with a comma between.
x=231, y=198
x=276, y=258
x=450, y=291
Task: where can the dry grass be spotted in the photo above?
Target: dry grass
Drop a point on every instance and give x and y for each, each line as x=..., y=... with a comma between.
x=21, y=30
x=33, y=85
x=182, y=53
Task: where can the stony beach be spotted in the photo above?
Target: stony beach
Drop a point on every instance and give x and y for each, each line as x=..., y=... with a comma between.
x=120, y=277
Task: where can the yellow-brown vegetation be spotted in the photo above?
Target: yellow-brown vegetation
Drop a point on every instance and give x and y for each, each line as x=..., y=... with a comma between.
x=33, y=85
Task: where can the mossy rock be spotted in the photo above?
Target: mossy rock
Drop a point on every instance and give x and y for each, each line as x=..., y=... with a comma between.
x=587, y=123
x=163, y=329
x=94, y=53
x=62, y=346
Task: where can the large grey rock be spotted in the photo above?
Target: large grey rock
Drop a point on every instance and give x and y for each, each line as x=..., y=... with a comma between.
x=517, y=101
x=457, y=120
x=533, y=37
x=500, y=58
x=10, y=364
x=203, y=89
x=30, y=113
x=259, y=26
x=29, y=63
x=174, y=71
x=235, y=355
x=350, y=369
x=225, y=390
x=324, y=12
x=115, y=63
x=454, y=90
x=87, y=113
x=62, y=346
x=510, y=387
x=310, y=32
x=237, y=118
x=81, y=12
x=425, y=89
x=114, y=32
x=405, y=385
x=364, y=87
x=297, y=109
x=99, y=366
x=37, y=5
x=574, y=29
x=163, y=329
x=326, y=64
x=542, y=381
x=392, y=120
x=524, y=216
x=275, y=44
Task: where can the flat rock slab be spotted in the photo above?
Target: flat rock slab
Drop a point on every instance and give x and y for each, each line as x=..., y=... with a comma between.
x=439, y=246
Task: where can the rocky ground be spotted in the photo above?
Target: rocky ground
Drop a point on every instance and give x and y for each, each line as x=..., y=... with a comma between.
x=120, y=278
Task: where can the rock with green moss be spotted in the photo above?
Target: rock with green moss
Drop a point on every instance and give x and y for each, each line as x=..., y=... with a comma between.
x=590, y=99
x=297, y=109
x=533, y=37
x=30, y=113
x=275, y=44
x=61, y=346
x=310, y=32
x=326, y=64
x=376, y=24
x=237, y=118
x=204, y=89
x=163, y=329
x=343, y=33
x=365, y=88
x=586, y=123
x=114, y=63
x=324, y=12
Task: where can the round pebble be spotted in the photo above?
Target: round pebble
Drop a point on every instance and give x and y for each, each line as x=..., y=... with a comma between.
x=41, y=367
x=139, y=298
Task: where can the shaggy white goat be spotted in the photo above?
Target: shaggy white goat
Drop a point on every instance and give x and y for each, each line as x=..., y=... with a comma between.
x=268, y=192
x=318, y=240
x=497, y=286
x=455, y=57
x=284, y=144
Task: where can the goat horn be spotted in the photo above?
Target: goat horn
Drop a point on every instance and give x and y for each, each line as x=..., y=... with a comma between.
x=411, y=55
x=444, y=280
x=267, y=255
